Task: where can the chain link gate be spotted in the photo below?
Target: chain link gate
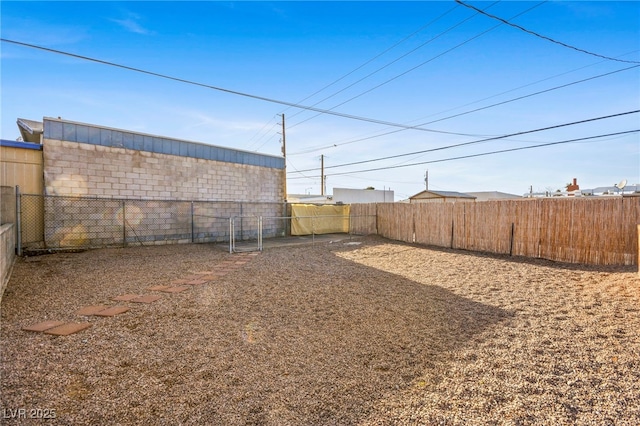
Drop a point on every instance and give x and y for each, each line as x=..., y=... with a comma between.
x=249, y=231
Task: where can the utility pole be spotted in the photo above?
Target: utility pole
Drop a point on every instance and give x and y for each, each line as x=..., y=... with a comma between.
x=284, y=154
x=322, y=174
x=426, y=180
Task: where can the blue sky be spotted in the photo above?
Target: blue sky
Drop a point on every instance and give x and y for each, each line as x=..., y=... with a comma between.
x=405, y=63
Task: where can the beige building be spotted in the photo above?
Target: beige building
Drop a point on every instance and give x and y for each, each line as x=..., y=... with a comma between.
x=441, y=197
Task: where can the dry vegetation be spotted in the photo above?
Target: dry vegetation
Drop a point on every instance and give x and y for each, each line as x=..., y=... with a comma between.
x=371, y=333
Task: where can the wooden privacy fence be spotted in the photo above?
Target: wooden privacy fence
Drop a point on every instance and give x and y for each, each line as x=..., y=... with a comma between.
x=596, y=231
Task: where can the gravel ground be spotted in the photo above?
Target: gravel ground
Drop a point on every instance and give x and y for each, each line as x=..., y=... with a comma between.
x=368, y=332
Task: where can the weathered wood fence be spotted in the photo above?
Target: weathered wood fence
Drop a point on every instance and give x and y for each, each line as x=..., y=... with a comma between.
x=595, y=231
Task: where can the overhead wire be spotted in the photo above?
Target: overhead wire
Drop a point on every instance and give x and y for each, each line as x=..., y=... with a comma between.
x=487, y=153
x=393, y=61
x=511, y=24
x=557, y=126
x=229, y=91
x=422, y=63
x=471, y=111
x=260, y=134
x=373, y=59
x=527, y=85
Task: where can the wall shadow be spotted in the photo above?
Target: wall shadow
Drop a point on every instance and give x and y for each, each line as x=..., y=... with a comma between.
x=330, y=337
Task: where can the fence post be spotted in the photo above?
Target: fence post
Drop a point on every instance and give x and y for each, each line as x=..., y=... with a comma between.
x=124, y=225
x=18, y=221
x=511, y=240
x=451, y=233
x=260, y=233
x=231, y=236
x=192, y=225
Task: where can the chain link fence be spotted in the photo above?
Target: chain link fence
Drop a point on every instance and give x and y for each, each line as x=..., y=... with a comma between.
x=59, y=222
x=49, y=223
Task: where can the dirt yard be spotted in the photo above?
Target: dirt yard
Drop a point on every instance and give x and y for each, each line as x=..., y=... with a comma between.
x=367, y=332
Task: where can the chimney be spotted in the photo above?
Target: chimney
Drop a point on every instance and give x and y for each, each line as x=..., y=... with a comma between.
x=574, y=186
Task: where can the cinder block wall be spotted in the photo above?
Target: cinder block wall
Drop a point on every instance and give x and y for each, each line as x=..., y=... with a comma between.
x=82, y=160
x=79, y=169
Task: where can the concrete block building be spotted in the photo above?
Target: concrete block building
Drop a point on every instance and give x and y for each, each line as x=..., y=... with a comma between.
x=89, y=160
x=103, y=186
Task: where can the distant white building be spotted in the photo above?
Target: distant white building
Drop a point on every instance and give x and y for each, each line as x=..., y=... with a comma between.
x=355, y=196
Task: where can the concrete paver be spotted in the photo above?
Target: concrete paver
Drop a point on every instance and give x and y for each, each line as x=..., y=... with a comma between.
x=69, y=328
x=146, y=299
x=42, y=326
x=178, y=289
x=112, y=311
x=91, y=310
x=159, y=287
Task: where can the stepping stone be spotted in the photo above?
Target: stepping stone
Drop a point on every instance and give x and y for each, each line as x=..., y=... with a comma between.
x=203, y=273
x=181, y=281
x=210, y=277
x=146, y=299
x=159, y=287
x=69, y=328
x=126, y=297
x=175, y=289
x=196, y=282
x=112, y=311
x=192, y=277
x=91, y=310
x=42, y=326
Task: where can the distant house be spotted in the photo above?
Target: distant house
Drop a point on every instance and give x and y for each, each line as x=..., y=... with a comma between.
x=441, y=197
x=493, y=196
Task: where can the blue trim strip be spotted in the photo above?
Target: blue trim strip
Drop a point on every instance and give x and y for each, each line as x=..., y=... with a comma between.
x=96, y=135
x=17, y=144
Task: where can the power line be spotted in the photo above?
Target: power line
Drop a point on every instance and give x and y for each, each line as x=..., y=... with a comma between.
x=374, y=58
x=472, y=111
x=487, y=153
x=389, y=64
x=542, y=36
x=557, y=126
x=261, y=134
x=233, y=92
x=534, y=83
x=425, y=62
